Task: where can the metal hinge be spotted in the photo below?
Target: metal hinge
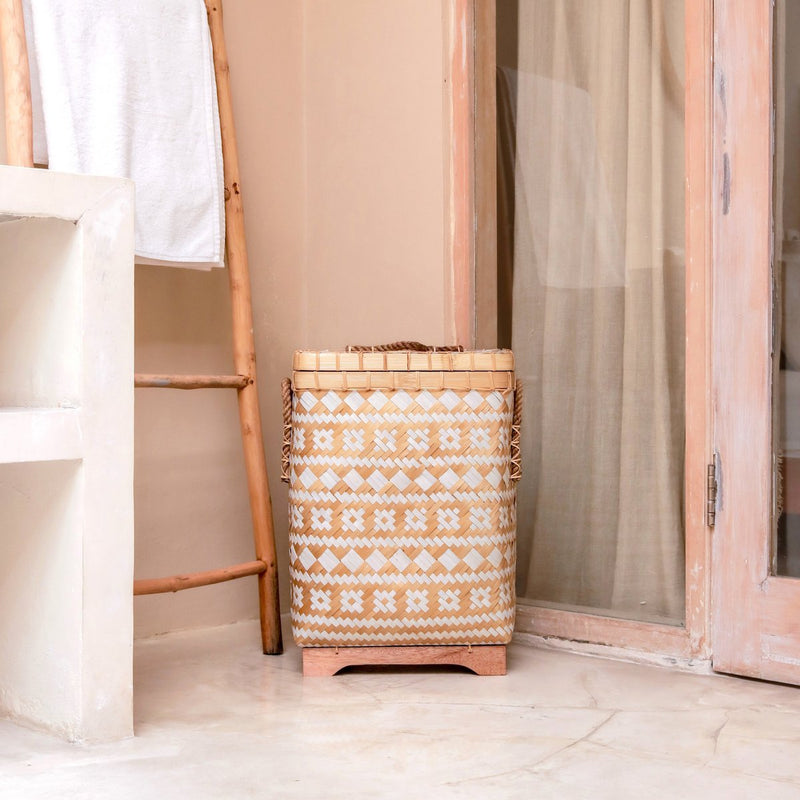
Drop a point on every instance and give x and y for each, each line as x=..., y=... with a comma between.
x=711, y=495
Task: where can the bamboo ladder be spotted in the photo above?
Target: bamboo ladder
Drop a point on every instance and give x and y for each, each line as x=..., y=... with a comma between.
x=19, y=145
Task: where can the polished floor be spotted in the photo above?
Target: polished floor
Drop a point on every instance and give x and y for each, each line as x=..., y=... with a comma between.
x=216, y=719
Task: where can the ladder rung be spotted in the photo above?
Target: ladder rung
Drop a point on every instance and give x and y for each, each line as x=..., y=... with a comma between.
x=141, y=380
x=174, y=583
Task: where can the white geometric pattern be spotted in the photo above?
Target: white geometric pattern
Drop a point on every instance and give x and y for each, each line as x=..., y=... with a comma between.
x=449, y=439
x=449, y=479
x=377, y=560
x=416, y=600
x=353, y=519
x=378, y=400
x=354, y=400
x=448, y=518
x=352, y=600
x=353, y=439
x=480, y=597
x=419, y=439
x=377, y=480
x=424, y=560
x=480, y=519
x=352, y=560
x=328, y=561
x=400, y=560
x=329, y=478
x=353, y=479
x=473, y=559
x=401, y=517
x=386, y=440
x=448, y=600
x=385, y=601
x=425, y=481
x=384, y=519
x=416, y=519
x=449, y=560
x=323, y=438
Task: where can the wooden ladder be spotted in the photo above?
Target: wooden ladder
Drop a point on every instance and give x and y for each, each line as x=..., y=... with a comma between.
x=19, y=145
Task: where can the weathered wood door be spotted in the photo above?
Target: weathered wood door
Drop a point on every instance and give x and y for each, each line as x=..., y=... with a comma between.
x=756, y=610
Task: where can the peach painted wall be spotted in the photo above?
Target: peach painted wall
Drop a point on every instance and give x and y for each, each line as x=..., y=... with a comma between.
x=341, y=121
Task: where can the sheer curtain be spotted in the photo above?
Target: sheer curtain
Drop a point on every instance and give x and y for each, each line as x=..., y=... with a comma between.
x=591, y=167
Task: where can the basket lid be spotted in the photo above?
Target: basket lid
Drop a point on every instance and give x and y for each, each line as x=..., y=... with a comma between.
x=403, y=361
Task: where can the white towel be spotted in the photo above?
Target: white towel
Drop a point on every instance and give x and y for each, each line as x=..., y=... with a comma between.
x=128, y=89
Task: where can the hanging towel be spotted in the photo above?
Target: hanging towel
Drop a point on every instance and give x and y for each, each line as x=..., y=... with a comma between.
x=127, y=89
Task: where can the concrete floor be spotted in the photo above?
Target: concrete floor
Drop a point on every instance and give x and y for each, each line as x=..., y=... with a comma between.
x=216, y=719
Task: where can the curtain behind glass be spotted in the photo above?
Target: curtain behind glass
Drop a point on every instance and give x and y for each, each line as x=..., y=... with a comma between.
x=591, y=144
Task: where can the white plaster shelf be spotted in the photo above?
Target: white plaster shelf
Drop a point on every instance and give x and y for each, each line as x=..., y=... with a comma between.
x=40, y=434
x=66, y=453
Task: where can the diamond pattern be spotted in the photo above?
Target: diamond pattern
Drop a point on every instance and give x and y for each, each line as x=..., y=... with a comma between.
x=473, y=559
x=401, y=480
x=329, y=479
x=400, y=561
x=425, y=481
x=331, y=401
x=449, y=399
x=377, y=560
x=377, y=480
x=328, y=561
x=473, y=399
x=497, y=401
x=401, y=400
x=426, y=400
x=353, y=479
x=449, y=560
x=352, y=560
x=378, y=400
x=307, y=558
x=473, y=478
x=387, y=520
x=495, y=558
x=354, y=400
x=424, y=560
x=449, y=479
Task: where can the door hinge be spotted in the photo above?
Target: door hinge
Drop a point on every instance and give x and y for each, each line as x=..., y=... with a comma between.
x=711, y=495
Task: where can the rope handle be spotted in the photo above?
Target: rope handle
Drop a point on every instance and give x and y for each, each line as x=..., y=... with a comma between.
x=286, y=445
x=417, y=347
x=516, y=427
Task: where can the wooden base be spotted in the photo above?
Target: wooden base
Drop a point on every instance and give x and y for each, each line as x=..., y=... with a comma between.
x=485, y=659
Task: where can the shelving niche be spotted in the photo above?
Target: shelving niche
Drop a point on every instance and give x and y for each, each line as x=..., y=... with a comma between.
x=66, y=452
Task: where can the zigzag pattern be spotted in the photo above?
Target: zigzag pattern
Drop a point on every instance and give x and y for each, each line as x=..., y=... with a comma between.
x=398, y=541
x=402, y=517
x=323, y=637
x=490, y=498
x=431, y=622
x=398, y=579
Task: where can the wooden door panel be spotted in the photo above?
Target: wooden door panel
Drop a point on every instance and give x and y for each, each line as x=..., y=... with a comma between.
x=754, y=628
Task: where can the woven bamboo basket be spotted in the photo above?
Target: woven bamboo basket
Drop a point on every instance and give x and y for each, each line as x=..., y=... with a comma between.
x=402, y=467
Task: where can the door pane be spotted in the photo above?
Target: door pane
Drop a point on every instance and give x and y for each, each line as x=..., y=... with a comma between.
x=590, y=101
x=786, y=393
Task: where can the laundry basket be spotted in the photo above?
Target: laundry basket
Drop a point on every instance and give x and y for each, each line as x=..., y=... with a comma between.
x=402, y=466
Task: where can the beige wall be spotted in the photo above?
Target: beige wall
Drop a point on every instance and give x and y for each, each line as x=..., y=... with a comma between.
x=341, y=122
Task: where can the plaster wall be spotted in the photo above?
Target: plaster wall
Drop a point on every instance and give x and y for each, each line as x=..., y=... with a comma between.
x=341, y=124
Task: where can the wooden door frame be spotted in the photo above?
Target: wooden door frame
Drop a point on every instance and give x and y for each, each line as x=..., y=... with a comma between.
x=473, y=309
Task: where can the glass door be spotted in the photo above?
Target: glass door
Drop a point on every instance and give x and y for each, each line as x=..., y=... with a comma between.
x=591, y=287
x=756, y=339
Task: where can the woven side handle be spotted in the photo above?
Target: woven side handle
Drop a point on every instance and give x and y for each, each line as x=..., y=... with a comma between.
x=286, y=445
x=516, y=427
x=417, y=347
